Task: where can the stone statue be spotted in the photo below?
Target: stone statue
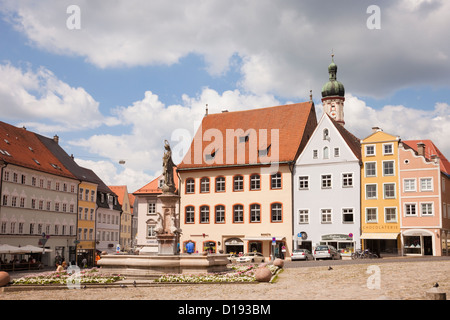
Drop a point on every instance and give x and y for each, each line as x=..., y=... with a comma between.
x=169, y=185
x=159, y=227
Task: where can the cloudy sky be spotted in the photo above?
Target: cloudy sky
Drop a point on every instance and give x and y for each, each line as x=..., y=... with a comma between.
x=115, y=78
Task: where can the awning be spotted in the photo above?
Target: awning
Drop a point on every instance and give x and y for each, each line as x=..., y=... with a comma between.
x=264, y=238
x=384, y=236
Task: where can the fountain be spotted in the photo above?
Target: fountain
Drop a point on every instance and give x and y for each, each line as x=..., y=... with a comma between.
x=168, y=259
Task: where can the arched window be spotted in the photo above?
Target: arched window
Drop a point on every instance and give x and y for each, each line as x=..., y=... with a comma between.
x=325, y=153
x=326, y=134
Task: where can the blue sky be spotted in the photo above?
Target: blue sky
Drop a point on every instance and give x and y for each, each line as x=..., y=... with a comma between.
x=138, y=72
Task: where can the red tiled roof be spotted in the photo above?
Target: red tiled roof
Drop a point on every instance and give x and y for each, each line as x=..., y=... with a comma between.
x=23, y=148
x=153, y=188
x=431, y=149
x=353, y=142
x=119, y=191
x=295, y=124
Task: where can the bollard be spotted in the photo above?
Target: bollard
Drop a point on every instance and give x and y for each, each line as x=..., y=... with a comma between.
x=435, y=294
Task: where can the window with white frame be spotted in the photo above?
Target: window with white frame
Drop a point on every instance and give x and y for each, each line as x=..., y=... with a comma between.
x=390, y=214
x=336, y=152
x=347, y=180
x=326, y=181
x=275, y=180
x=388, y=148
x=388, y=168
x=190, y=185
x=204, y=214
x=303, y=216
x=220, y=214
x=204, y=185
x=325, y=215
x=426, y=184
x=371, y=191
x=315, y=154
x=370, y=150
x=371, y=169
x=151, y=208
x=220, y=184
x=255, y=182
x=238, y=183
x=409, y=185
x=303, y=183
x=426, y=209
x=326, y=153
x=410, y=209
x=389, y=190
x=371, y=215
x=189, y=214
x=347, y=215
x=255, y=213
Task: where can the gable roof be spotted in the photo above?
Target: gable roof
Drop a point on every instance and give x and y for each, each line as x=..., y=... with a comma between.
x=227, y=132
x=153, y=186
x=120, y=192
x=23, y=148
x=353, y=142
x=430, y=149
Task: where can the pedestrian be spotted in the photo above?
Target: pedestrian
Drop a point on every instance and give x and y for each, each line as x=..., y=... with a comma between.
x=190, y=247
x=84, y=262
x=59, y=268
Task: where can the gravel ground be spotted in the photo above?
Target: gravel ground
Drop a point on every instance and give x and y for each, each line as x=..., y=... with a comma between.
x=398, y=280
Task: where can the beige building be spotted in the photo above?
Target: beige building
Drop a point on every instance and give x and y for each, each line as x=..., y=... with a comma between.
x=236, y=191
x=125, y=217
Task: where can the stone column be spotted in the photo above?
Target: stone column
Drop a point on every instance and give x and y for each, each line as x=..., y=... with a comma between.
x=169, y=237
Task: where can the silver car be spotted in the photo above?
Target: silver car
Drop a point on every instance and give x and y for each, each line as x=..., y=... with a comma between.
x=326, y=252
x=301, y=254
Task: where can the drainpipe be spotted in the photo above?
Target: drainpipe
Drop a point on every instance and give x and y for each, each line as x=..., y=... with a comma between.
x=291, y=169
x=3, y=164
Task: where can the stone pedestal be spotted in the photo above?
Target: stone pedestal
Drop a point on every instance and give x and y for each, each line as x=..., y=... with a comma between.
x=168, y=239
x=167, y=244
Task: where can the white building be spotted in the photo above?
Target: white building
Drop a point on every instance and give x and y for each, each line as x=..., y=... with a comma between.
x=38, y=196
x=146, y=206
x=107, y=223
x=327, y=189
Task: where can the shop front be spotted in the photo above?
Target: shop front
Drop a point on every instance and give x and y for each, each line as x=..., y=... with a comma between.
x=344, y=243
x=418, y=242
x=381, y=243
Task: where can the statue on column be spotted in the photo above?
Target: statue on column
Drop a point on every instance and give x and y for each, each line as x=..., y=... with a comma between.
x=169, y=185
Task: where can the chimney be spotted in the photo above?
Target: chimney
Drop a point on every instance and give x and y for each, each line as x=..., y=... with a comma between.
x=421, y=149
x=56, y=138
x=376, y=129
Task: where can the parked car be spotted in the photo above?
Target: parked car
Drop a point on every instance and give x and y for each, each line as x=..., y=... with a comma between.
x=301, y=254
x=326, y=252
x=251, y=257
x=232, y=257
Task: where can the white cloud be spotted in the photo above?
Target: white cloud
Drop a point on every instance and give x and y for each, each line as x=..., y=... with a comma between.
x=407, y=123
x=36, y=96
x=152, y=122
x=284, y=47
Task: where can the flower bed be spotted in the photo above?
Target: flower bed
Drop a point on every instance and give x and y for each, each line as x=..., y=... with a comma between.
x=244, y=273
x=53, y=277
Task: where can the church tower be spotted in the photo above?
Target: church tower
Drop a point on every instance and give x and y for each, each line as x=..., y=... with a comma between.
x=333, y=93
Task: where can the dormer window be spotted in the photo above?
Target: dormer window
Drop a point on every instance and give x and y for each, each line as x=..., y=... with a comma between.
x=244, y=138
x=264, y=152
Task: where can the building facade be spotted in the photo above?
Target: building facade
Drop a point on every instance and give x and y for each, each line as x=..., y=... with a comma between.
x=38, y=196
x=327, y=189
x=147, y=207
x=424, y=189
x=236, y=192
x=125, y=217
x=380, y=204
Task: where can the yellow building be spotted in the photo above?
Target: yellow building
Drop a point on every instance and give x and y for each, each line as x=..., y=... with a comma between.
x=380, y=221
x=87, y=196
x=125, y=217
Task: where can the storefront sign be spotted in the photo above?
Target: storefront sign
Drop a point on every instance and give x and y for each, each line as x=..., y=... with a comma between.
x=335, y=237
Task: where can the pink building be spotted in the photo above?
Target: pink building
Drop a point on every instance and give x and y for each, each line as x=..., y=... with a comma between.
x=424, y=198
